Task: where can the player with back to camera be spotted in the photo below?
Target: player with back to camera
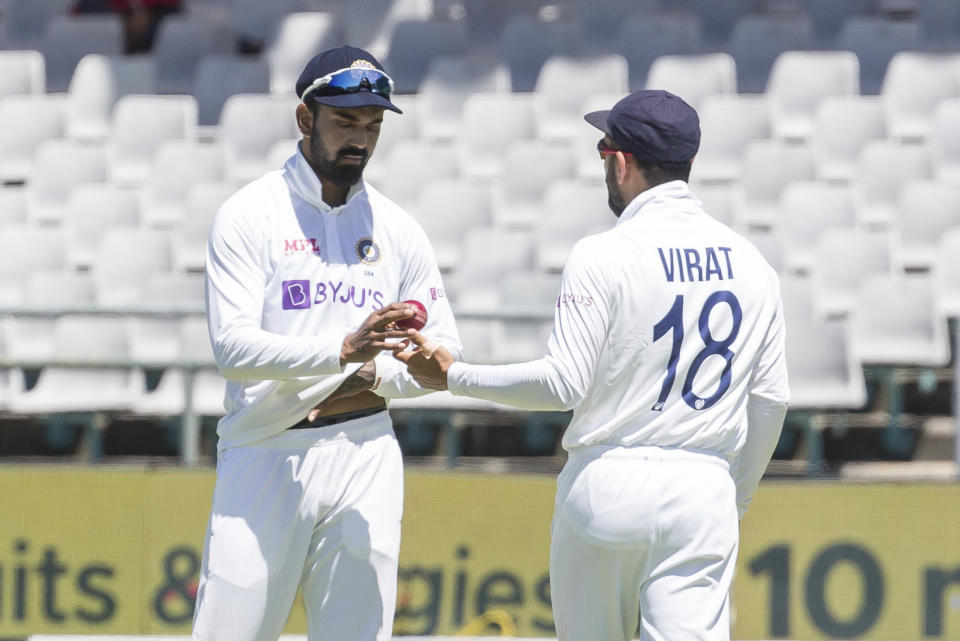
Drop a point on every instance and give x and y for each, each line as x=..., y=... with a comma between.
x=303, y=266
x=668, y=345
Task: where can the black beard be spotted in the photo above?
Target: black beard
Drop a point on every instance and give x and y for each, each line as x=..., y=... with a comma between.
x=615, y=199
x=330, y=169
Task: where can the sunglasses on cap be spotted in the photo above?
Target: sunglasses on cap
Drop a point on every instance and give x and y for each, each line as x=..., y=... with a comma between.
x=605, y=150
x=351, y=80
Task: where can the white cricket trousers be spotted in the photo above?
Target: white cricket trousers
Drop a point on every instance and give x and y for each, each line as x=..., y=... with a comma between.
x=317, y=508
x=643, y=532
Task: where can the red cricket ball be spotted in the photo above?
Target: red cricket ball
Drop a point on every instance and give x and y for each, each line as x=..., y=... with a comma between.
x=418, y=320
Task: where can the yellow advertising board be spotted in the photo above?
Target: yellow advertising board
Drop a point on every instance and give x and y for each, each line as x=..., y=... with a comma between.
x=116, y=551
x=872, y=561
x=99, y=550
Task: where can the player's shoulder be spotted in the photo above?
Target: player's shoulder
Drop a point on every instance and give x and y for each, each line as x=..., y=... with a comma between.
x=595, y=242
x=593, y=252
x=253, y=200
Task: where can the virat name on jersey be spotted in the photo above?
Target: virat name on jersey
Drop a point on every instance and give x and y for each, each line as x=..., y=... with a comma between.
x=691, y=265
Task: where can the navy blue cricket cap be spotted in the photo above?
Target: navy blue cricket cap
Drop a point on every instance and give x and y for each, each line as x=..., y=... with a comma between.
x=654, y=125
x=345, y=58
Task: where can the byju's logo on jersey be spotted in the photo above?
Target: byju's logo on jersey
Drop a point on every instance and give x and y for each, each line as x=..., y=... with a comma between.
x=303, y=294
x=296, y=294
x=575, y=299
x=368, y=251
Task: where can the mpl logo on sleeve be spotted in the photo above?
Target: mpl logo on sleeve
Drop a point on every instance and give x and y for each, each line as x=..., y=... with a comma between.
x=296, y=294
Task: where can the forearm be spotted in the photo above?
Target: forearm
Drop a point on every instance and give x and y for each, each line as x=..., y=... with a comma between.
x=764, y=423
x=536, y=385
x=252, y=353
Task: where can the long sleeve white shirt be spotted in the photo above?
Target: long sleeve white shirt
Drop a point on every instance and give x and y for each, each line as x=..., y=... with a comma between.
x=288, y=277
x=666, y=326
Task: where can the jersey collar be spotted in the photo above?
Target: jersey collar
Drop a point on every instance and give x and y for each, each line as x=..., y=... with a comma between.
x=304, y=182
x=670, y=191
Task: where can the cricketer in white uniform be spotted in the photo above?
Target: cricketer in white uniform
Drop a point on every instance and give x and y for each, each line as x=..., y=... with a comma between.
x=668, y=345
x=305, y=266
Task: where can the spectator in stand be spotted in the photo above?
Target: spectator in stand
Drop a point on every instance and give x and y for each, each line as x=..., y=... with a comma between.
x=140, y=17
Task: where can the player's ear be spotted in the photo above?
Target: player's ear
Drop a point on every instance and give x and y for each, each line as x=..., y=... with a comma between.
x=304, y=120
x=620, y=171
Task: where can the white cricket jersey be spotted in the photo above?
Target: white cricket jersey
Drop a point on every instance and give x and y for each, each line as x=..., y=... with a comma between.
x=288, y=277
x=664, y=325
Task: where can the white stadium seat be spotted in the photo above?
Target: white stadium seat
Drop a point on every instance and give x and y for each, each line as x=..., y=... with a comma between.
x=693, y=77
x=299, y=36
x=800, y=80
x=124, y=259
x=249, y=125
x=177, y=166
x=98, y=82
x=727, y=124
x=557, y=109
x=913, y=86
x=824, y=373
x=572, y=209
x=448, y=208
x=883, y=168
x=845, y=257
x=528, y=169
x=768, y=167
x=182, y=41
x=757, y=40
x=22, y=72
x=220, y=76
x=131, y=146
x=644, y=37
x=945, y=140
x=26, y=121
x=945, y=272
x=842, y=126
x=79, y=388
x=449, y=82
x=895, y=323
x=49, y=289
x=25, y=249
x=92, y=210
x=189, y=237
x=807, y=209
x=926, y=210
x=490, y=121
x=68, y=38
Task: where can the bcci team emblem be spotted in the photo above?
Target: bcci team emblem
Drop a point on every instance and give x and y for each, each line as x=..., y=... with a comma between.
x=364, y=64
x=368, y=252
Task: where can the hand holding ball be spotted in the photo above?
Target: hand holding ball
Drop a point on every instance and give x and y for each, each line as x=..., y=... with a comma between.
x=418, y=320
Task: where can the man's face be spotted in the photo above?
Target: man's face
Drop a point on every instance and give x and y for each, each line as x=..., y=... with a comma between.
x=341, y=141
x=615, y=198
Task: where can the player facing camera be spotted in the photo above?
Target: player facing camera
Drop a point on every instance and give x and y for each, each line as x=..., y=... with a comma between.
x=302, y=266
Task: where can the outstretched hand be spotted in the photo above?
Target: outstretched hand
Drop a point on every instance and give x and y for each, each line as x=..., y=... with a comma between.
x=428, y=363
x=371, y=337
